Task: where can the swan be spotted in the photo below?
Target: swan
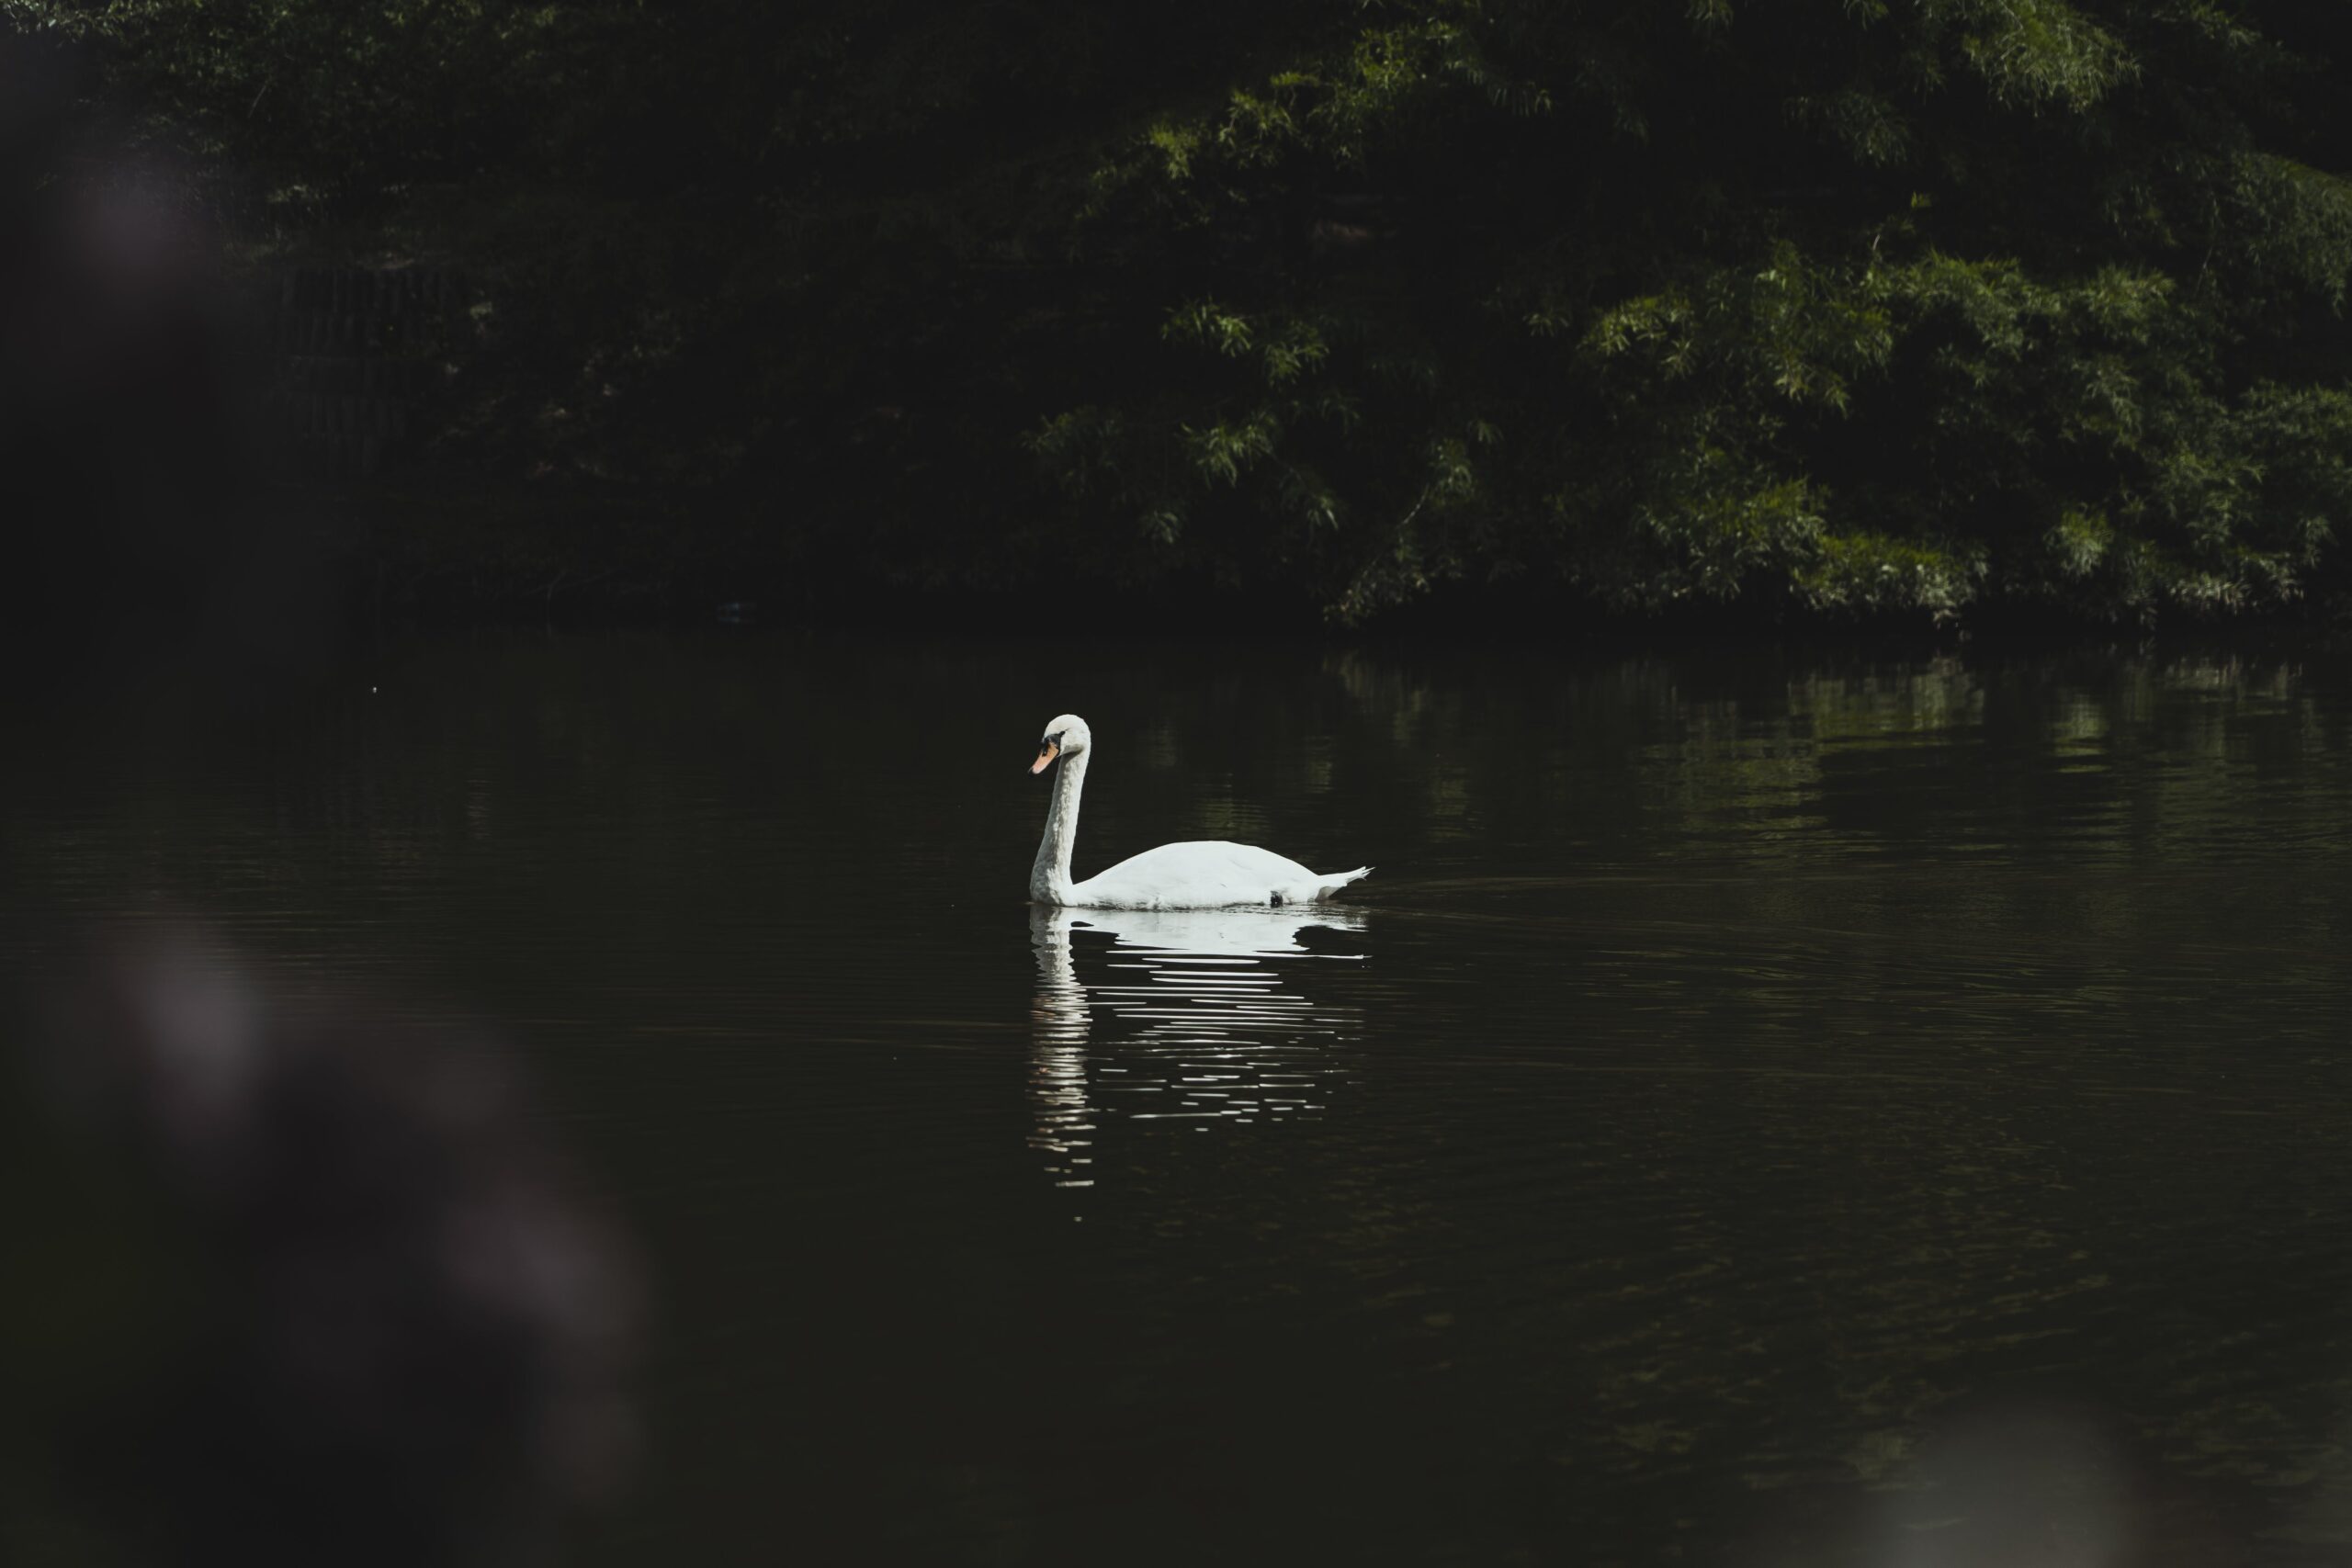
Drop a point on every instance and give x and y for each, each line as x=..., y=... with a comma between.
x=1202, y=875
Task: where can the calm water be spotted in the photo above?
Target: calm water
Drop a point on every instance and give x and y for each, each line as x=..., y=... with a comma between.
x=1760, y=1111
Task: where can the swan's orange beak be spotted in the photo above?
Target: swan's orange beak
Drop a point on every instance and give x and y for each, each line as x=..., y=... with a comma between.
x=1047, y=753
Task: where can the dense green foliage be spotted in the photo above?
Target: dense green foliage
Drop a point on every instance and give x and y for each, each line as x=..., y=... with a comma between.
x=1900, y=306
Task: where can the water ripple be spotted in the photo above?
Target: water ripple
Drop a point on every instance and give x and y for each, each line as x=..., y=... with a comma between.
x=1196, y=1015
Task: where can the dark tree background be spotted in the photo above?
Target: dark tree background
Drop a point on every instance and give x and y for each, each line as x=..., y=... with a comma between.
x=1908, y=307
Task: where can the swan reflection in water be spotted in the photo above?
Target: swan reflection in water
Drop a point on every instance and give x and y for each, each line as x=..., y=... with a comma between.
x=1199, y=1021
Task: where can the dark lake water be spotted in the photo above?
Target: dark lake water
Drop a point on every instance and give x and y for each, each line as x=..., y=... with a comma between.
x=1762, y=1109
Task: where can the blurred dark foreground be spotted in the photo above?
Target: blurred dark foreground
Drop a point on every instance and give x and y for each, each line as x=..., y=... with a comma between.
x=293, y=1282
x=133, y=514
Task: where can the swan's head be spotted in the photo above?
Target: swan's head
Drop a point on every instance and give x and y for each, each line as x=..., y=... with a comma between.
x=1065, y=737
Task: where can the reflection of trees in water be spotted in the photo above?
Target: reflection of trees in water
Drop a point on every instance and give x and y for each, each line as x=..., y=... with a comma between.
x=1769, y=755
x=1195, y=1022
x=1757, y=757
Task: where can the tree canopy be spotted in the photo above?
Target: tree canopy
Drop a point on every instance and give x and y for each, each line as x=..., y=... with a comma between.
x=1908, y=307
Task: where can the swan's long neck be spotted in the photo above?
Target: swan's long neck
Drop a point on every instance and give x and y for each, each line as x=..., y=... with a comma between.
x=1049, y=878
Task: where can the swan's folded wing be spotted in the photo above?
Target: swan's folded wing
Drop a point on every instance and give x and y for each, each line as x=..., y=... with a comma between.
x=1201, y=874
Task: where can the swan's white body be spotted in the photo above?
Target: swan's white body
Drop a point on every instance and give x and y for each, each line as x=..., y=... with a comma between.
x=1208, y=873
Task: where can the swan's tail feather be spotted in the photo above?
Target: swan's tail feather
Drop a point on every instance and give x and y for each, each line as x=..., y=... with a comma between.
x=1339, y=879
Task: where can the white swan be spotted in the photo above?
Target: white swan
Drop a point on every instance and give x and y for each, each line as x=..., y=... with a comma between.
x=1204, y=874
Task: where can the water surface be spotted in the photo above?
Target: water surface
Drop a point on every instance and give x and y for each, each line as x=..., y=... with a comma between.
x=1762, y=1109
